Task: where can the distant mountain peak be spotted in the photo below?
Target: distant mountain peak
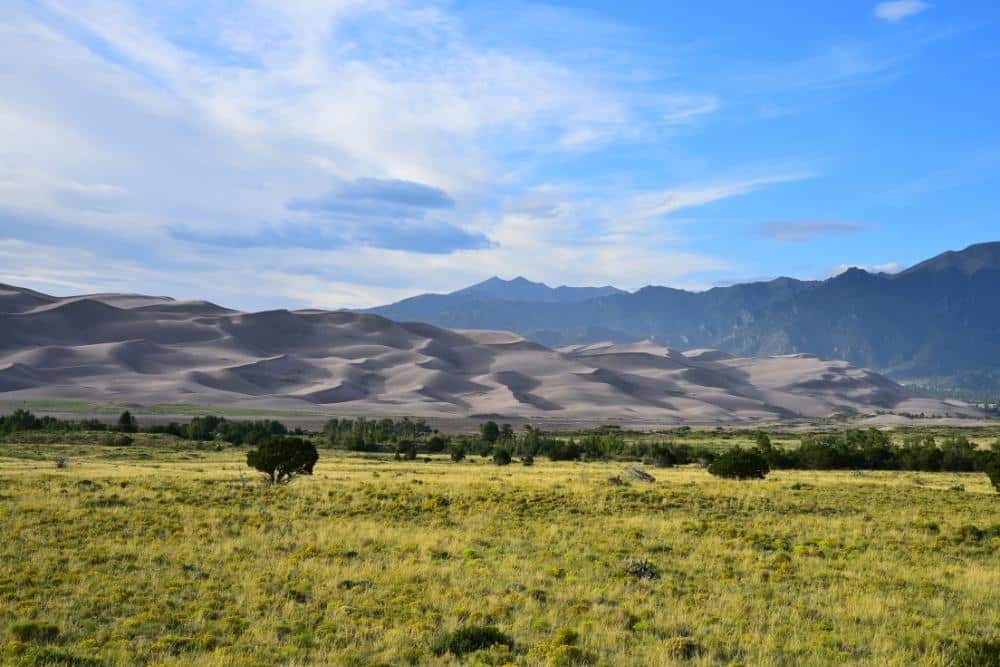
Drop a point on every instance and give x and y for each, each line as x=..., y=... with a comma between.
x=520, y=288
x=975, y=258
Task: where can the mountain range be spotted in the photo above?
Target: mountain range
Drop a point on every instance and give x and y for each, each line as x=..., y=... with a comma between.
x=130, y=348
x=936, y=323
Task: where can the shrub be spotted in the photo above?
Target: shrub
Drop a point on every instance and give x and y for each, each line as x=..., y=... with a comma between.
x=116, y=440
x=528, y=460
x=641, y=568
x=281, y=458
x=562, y=651
x=457, y=452
x=662, y=456
x=50, y=657
x=978, y=653
x=469, y=639
x=684, y=648
x=436, y=444
x=408, y=450
x=740, y=464
x=993, y=471
x=763, y=440
x=35, y=632
x=501, y=457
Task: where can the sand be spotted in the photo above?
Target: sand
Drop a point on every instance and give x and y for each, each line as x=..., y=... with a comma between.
x=127, y=348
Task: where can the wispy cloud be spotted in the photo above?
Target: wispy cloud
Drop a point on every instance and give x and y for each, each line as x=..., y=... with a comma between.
x=412, y=236
x=897, y=10
x=664, y=202
x=796, y=231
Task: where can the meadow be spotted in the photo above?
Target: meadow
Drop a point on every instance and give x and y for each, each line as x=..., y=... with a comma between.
x=170, y=552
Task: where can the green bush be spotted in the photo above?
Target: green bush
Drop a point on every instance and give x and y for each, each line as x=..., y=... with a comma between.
x=469, y=639
x=281, y=459
x=978, y=653
x=501, y=456
x=37, y=656
x=683, y=648
x=740, y=464
x=408, y=450
x=116, y=440
x=662, y=456
x=993, y=470
x=457, y=452
x=35, y=632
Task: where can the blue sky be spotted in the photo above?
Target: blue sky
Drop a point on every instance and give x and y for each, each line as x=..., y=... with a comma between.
x=337, y=154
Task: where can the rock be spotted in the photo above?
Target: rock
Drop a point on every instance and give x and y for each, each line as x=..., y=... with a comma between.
x=641, y=475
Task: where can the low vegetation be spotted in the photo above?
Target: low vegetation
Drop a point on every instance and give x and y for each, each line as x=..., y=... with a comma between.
x=165, y=551
x=740, y=463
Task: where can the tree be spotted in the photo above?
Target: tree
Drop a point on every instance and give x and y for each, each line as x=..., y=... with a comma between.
x=763, y=440
x=457, y=451
x=740, y=464
x=436, y=444
x=501, y=457
x=993, y=470
x=408, y=449
x=282, y=458
x=127, y=423
x=490, y=432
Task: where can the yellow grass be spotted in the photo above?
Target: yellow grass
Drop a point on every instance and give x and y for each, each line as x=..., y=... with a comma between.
x=175, y=556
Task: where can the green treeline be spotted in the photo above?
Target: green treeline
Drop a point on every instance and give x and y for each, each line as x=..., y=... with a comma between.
x=851, y=449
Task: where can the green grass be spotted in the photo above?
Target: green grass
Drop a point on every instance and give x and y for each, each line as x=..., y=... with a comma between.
x=172, y=553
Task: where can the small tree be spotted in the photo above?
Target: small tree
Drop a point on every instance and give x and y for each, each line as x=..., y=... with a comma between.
x=436, y=444
x=282, y=458
x=457, y=451
x=408, y=448
x=763, y=441
x=127, y=423
x=993, y=470
x=740, y=464
x=501, y=456
x=489, y=432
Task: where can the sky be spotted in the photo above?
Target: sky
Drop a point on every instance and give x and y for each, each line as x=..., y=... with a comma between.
x=336, y=153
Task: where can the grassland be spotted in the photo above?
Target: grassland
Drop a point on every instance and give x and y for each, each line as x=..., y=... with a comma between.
x=170, y=553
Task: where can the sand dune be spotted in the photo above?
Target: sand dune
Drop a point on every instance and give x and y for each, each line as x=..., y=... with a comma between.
x=137, y=349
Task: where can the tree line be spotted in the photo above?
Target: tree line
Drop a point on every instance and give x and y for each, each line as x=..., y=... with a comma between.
x=851, y=449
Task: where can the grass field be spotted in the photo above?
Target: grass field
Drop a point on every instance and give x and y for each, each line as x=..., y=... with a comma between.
x=165, y=553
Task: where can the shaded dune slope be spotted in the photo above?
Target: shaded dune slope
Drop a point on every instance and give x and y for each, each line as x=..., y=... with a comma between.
x=133, y=348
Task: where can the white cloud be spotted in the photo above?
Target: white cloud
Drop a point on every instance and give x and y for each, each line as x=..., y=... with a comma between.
x=682, y=109
x=654, y=204
x=887, y=267
x=114, y=125
x=897, y=10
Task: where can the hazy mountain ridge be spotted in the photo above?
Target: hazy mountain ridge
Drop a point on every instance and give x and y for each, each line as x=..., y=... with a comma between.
x=138, y=349
x=939, y=319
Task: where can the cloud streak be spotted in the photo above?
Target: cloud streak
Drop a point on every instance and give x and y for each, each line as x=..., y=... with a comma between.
x=798, y=231
x=897, y=10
